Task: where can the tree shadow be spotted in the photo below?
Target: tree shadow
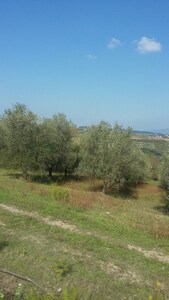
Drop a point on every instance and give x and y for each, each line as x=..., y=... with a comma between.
x=56, y=178
x=125, y=193
x=14, y=175
x=162, y=209
x=93, y=185
x=3, y=244
x=43, y=178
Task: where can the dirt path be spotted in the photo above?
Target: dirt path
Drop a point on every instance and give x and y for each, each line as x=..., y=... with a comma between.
x=151, y=253
x=147, y=253
x=37, y=217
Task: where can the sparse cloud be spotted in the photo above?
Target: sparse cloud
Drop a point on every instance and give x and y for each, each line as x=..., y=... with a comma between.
x=91, y=56
x=147, y=45
x=113, y=43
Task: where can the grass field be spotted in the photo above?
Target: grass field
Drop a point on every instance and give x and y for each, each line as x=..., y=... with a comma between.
x=106, y=247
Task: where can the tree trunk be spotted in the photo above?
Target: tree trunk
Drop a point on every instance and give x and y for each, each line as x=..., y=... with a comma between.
x=65, y=172
x=50, y=171
x=106, y=186
x=25, y=174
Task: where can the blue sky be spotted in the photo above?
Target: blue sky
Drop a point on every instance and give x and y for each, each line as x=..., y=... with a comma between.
x=92, y=60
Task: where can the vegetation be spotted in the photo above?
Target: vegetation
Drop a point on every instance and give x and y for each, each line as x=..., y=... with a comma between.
x=60, y=230
x=110, y=154
x=164, y=172
x=103, y=246
x=28, y=143
x=154, y=151
x=18, y=134
x=164, y=178
x=55, y=144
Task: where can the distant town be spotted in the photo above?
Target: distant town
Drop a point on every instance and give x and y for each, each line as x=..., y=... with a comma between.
x=141, y=134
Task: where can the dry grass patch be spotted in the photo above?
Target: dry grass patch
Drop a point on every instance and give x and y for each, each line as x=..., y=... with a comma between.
x=149, y=189
x=85, y=184
x=38, y=189
x=156, y=225
x=89, y=200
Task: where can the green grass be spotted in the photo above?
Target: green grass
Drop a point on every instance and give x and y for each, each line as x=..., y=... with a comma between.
x=95, y=258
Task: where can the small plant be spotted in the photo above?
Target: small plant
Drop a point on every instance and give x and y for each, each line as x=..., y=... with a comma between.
x=61, y=268
x=2, y=296
x=18, y=292
x=69, y=294
x=158, y=295
x=66, y=294
x=60, y=193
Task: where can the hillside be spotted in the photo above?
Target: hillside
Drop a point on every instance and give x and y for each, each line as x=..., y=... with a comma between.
x=107, y=247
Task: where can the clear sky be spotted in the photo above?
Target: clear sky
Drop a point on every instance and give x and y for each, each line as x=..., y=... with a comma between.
x=92, y=60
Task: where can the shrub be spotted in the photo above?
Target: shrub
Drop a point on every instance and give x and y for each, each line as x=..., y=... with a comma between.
x=164, y=172
x=60, y=193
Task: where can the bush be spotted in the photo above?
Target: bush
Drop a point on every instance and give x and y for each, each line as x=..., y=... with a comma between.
x=60, y=193
x=164, y=172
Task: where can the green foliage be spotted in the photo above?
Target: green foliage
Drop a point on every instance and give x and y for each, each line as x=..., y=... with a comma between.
x=33, y=296
x=71, y=160
x=18, y=292
x=127, y=161
x=3, y=143
x=154, y=150
x=62, y=268
x=65, y=294
x=110, y=154
x=164, y=178
x=59, y=193
x=20, y=131
x=54, y=143
x=2, y=295
x=95, y=154
x=69, y=294
x=27, y=144
x=164, y=172
x=36, y=296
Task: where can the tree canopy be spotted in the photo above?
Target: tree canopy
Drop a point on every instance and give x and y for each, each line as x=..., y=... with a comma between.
x=164, y=171
x=110, y=154
x=54, y=144
x=20, y=131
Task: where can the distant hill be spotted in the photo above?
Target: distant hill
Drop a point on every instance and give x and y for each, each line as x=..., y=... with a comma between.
x=139, y=132
x=152, y=132
x=162, y=131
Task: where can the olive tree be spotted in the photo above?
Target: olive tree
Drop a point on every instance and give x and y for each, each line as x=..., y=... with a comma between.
x=54, y=143
x=164, y=177
x=110, y=154
x=20, y=130
x=127, y=160
x=164, y=172
x=3, y=144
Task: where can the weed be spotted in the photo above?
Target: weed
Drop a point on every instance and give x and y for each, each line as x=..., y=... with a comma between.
x=158, y=294
x=2, y=295
x=19, y=292
x=59, y=193
x=62, y=268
